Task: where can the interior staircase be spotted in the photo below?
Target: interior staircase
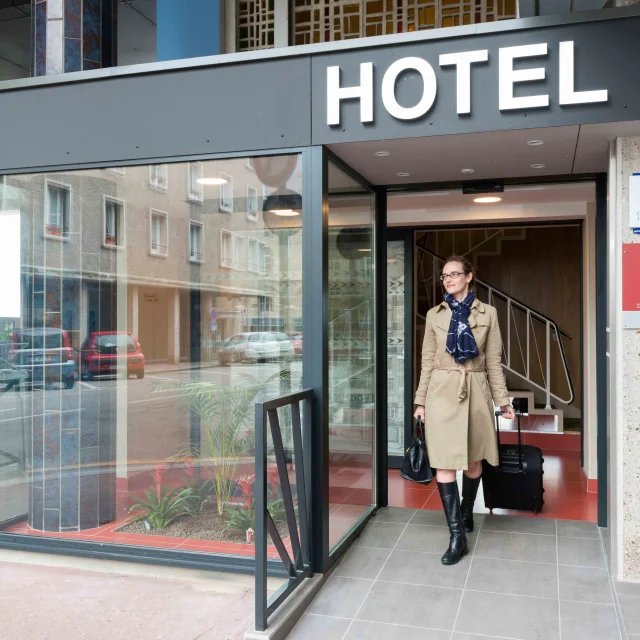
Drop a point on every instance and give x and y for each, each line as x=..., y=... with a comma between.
x=530, y=339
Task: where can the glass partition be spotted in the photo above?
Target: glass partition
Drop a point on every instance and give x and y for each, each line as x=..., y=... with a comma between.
x=351, y=353
x=143, y=312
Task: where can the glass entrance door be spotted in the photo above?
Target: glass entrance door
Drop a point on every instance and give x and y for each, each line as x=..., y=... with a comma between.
x=399, y=339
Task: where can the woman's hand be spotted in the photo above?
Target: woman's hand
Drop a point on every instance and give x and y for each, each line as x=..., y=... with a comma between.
x=419, y=413
x=507, y=412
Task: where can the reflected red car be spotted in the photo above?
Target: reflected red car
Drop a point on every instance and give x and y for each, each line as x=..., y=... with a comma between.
x=106, y=352
x=296, y=342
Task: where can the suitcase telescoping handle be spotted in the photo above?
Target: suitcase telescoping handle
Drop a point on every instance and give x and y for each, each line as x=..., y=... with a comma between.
x=518, y=414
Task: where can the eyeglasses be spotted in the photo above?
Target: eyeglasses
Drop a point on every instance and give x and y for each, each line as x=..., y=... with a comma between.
x=453, y=275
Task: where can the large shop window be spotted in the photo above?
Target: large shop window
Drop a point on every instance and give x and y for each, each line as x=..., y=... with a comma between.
x=351, y=303
x=128, y=383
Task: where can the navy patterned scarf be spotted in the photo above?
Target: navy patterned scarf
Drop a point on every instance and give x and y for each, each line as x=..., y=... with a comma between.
x=460, y=341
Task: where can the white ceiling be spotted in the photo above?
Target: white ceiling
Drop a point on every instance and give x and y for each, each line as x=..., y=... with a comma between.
x=503, y=154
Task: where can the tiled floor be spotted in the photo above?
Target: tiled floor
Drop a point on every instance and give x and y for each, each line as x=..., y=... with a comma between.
x=524, y=579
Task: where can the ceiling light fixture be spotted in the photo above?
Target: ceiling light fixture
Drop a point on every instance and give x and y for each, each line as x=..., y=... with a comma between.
x=487, y=199
x=287, y=213
x=381, y=154
x=365, y=250
x=535, y=143
x=467, y=171
x=402, y=174
x=538, y=166
x=212, y=181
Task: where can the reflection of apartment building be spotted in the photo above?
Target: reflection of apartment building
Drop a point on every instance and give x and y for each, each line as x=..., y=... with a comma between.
x=152, y=250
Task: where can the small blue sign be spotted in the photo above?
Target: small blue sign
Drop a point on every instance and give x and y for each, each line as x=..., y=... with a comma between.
x=636, y=230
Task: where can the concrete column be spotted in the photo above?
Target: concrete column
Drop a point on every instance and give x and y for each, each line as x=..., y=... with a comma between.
x=74, y=35
x=281, y=23
x=173, y=307
x=188, y=29
x=624, y=377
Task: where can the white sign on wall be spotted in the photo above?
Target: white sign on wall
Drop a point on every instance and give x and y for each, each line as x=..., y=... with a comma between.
x=509, y=77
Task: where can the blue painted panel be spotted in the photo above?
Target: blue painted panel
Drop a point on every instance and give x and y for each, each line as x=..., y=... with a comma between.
x=91, y=31
x=72, y=59
x=41, y=39
x=187, y=29
x=73, y=19
x=70, y=515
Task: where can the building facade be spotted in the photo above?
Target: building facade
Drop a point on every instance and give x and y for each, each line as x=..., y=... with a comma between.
x=235, y=196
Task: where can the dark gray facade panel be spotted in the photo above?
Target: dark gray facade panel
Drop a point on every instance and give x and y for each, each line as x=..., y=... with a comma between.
x=263, y=105
x=604, y=54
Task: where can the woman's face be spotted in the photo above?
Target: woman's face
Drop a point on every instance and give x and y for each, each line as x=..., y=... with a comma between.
x=456, y=285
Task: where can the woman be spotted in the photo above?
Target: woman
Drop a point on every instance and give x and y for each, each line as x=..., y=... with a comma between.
x=461, y=374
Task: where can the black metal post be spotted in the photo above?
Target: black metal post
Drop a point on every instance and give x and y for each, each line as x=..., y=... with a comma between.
x=315, y=368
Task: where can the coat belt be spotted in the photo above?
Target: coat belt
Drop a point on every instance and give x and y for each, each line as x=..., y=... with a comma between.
x=462, y=386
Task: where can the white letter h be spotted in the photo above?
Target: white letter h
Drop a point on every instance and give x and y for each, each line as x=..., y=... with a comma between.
x=363, y=92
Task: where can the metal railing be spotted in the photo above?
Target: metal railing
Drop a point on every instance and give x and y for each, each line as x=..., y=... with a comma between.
x=527, y=345
x=297, y=567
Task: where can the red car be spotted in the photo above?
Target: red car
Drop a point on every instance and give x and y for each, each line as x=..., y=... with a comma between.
x=104, y=353
x=296, y=342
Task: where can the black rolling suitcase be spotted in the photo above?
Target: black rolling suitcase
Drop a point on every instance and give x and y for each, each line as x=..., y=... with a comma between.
x=516, y=483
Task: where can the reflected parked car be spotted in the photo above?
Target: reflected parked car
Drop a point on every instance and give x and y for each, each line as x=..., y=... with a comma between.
x=296, y=342
x=105, y=353
x=258, y=346
x=44, y=354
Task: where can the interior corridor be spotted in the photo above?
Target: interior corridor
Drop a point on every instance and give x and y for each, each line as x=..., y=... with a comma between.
x=524, y=579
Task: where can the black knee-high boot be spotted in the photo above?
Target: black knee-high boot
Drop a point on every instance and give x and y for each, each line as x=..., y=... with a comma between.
x=469, y=493
x=457, y=538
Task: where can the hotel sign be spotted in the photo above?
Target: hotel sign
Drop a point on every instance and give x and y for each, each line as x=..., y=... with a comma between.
x=424, y=73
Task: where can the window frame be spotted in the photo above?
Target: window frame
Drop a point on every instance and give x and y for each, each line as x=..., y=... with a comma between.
x=121, y=242
x=121, y=171
x=155, y=185
x=153, y=212
x=62, y=237
x=253, y=217
x=227, y=185
x=199, y=225
x=253, y=267
x=193, y=196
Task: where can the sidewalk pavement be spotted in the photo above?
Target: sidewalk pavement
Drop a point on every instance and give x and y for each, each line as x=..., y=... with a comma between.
x=47, y=597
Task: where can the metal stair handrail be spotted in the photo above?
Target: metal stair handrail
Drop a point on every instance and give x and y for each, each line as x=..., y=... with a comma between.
x=531, y=316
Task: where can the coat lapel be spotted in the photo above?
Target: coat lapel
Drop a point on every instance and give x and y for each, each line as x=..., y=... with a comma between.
x=444, y=317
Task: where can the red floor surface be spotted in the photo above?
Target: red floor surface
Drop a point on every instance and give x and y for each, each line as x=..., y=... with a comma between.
x=565, y=496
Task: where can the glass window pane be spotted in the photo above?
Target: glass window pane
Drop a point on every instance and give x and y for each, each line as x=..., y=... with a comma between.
x=126, y=371
x=351, y=353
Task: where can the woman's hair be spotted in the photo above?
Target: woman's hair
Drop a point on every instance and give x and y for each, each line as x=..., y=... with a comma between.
x=467, y=267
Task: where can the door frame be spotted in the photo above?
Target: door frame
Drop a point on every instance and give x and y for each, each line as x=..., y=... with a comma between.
x=407, y=235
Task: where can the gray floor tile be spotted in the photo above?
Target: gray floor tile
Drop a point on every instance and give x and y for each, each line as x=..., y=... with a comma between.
x=362, y=562
x=630, y=607
x=430, y=607
x=425, y=539
x=520, y=524
x=585, y=584
x=429, y=517
x=577, y=529
x=382, y=535
x=625, y=588
x=470, y=636
x=516, y=546
x=508, y=616
x=424, y=569
x=582, y=621
x=393, y=514
x=516, y=578
x=340, y=597
x=311, y=627
x=361, y=630
x=581, y=553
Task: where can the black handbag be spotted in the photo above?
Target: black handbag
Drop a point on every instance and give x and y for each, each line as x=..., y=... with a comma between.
x=415, y=466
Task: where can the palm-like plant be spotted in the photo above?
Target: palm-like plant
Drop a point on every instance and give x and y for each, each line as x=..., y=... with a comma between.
x=226, y=413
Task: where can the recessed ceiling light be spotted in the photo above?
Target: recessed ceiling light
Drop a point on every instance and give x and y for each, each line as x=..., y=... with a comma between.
x=538, y=166
x=212, y=181
x=402, y=174
x=288, y=213
x=535, y=143
x=467, y=171
x=365, y=250
x=487, y=199
x=380, y=154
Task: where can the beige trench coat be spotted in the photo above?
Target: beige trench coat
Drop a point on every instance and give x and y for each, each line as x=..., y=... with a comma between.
x=459, y=412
